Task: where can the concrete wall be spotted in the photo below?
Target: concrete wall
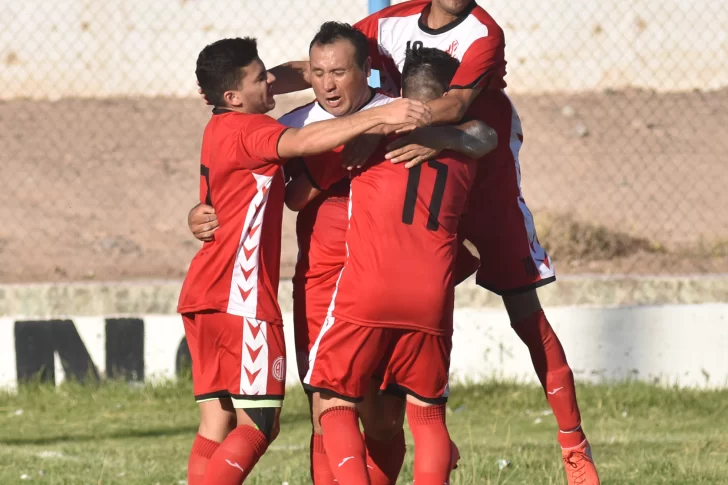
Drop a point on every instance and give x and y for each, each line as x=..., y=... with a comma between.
x=673, y=344
x=93, y=48
x=673, y=330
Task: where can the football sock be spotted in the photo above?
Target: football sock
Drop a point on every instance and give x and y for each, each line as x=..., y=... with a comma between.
x=320, y=470
x=202, y=450
x=344, y=445
x=236, y=457
x=432, y=444
x=555, y=375
x=385, y=459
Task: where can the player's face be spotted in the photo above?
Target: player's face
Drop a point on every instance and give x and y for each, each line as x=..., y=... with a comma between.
x=453, y=7
x=256, y=88
x=339, y=83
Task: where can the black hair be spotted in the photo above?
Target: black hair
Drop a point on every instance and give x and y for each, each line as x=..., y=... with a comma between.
x=427, y=73
x=331, y=32
x=219, y=66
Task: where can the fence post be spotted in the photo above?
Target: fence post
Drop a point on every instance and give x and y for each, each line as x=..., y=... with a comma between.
x=376, y=6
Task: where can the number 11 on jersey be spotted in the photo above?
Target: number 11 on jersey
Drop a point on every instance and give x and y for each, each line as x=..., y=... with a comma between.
x=413, y=185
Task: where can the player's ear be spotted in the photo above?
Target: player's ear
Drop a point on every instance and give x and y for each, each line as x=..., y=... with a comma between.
x=368, y=66
x=233, y=98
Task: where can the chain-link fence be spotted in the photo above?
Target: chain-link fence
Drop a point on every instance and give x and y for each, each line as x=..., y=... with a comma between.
x=623, y=103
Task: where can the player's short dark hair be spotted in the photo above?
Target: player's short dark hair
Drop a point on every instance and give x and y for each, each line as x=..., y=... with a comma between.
x=331, y=32
x=427, y=73
x=219, y=66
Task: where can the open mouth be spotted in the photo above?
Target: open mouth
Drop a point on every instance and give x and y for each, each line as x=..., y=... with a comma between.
x=333, y=101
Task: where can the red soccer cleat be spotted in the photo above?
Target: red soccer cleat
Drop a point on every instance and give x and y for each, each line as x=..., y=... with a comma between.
x=579, y=465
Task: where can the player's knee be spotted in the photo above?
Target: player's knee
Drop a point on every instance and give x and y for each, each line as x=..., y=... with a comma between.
x=521, y=305
x=266, y=420
x=386, y=419
x=217, y=419
x=315, y=407
x=382, y=431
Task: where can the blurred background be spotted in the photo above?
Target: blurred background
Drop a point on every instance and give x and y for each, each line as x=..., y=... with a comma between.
x=624, y=105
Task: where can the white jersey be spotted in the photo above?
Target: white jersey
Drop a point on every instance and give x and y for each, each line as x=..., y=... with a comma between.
x=474, y=38
x=313, y=111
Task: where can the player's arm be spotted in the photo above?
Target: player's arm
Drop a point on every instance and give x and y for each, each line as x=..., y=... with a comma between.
x=483, y=67
x=202, y=221
x=452, y=107
x=315, y=175
x=474, y=139
x=323, y=136
x=291, y=77
x=299, y=192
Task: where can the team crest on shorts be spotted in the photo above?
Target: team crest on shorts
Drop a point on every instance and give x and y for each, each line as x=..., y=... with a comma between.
x=278, y=369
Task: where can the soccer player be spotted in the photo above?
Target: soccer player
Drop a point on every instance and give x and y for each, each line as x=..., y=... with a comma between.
x=340, y=65
x=498, y=221
x=229, y=301
x=391, y=312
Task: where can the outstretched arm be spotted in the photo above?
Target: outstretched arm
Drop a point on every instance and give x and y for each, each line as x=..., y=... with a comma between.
x=323, y=136
x=474, y=139
x=291, y=77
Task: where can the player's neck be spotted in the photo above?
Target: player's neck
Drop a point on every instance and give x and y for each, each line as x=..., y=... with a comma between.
x=363, y=98
x=236, y=109
x=436, y=18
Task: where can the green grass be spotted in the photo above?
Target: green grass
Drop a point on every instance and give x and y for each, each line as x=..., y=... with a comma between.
x=121, y=434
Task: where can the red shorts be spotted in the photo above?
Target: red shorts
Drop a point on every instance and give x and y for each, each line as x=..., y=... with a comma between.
x=498, y=222
x=346, y=357
x=236, y=357
x=321, y=233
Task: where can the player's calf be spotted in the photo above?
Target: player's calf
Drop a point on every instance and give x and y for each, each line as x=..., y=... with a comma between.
x=318, y=460
x=217, y=420
x=237, y=455
x=432, y=442
x=343, y=441
x=557, y=379
x=382, y=416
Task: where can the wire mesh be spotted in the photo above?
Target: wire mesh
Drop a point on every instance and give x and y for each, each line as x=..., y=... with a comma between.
x=624, y=105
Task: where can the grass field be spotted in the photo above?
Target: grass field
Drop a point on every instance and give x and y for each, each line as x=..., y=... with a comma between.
x=127, y=434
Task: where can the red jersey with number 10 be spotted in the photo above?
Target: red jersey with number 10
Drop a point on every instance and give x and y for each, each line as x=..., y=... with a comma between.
x=402, y=244
x=473, y=38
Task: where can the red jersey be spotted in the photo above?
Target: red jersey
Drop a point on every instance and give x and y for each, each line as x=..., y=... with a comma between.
x=474, y=38
x=402, y=244
x=241, y=177
x=321, y=251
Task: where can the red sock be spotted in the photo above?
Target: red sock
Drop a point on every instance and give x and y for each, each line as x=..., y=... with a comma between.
x=202, y=450
x=385, y=459
x=344, y=445
x=320, y=470
x=555, y=375
x=432, y=444
x=236, y=457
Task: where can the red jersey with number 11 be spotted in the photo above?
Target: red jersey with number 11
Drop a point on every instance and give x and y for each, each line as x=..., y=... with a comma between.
x=402, y=244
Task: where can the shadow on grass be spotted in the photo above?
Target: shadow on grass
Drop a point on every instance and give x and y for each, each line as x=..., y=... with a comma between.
x=80, y=438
